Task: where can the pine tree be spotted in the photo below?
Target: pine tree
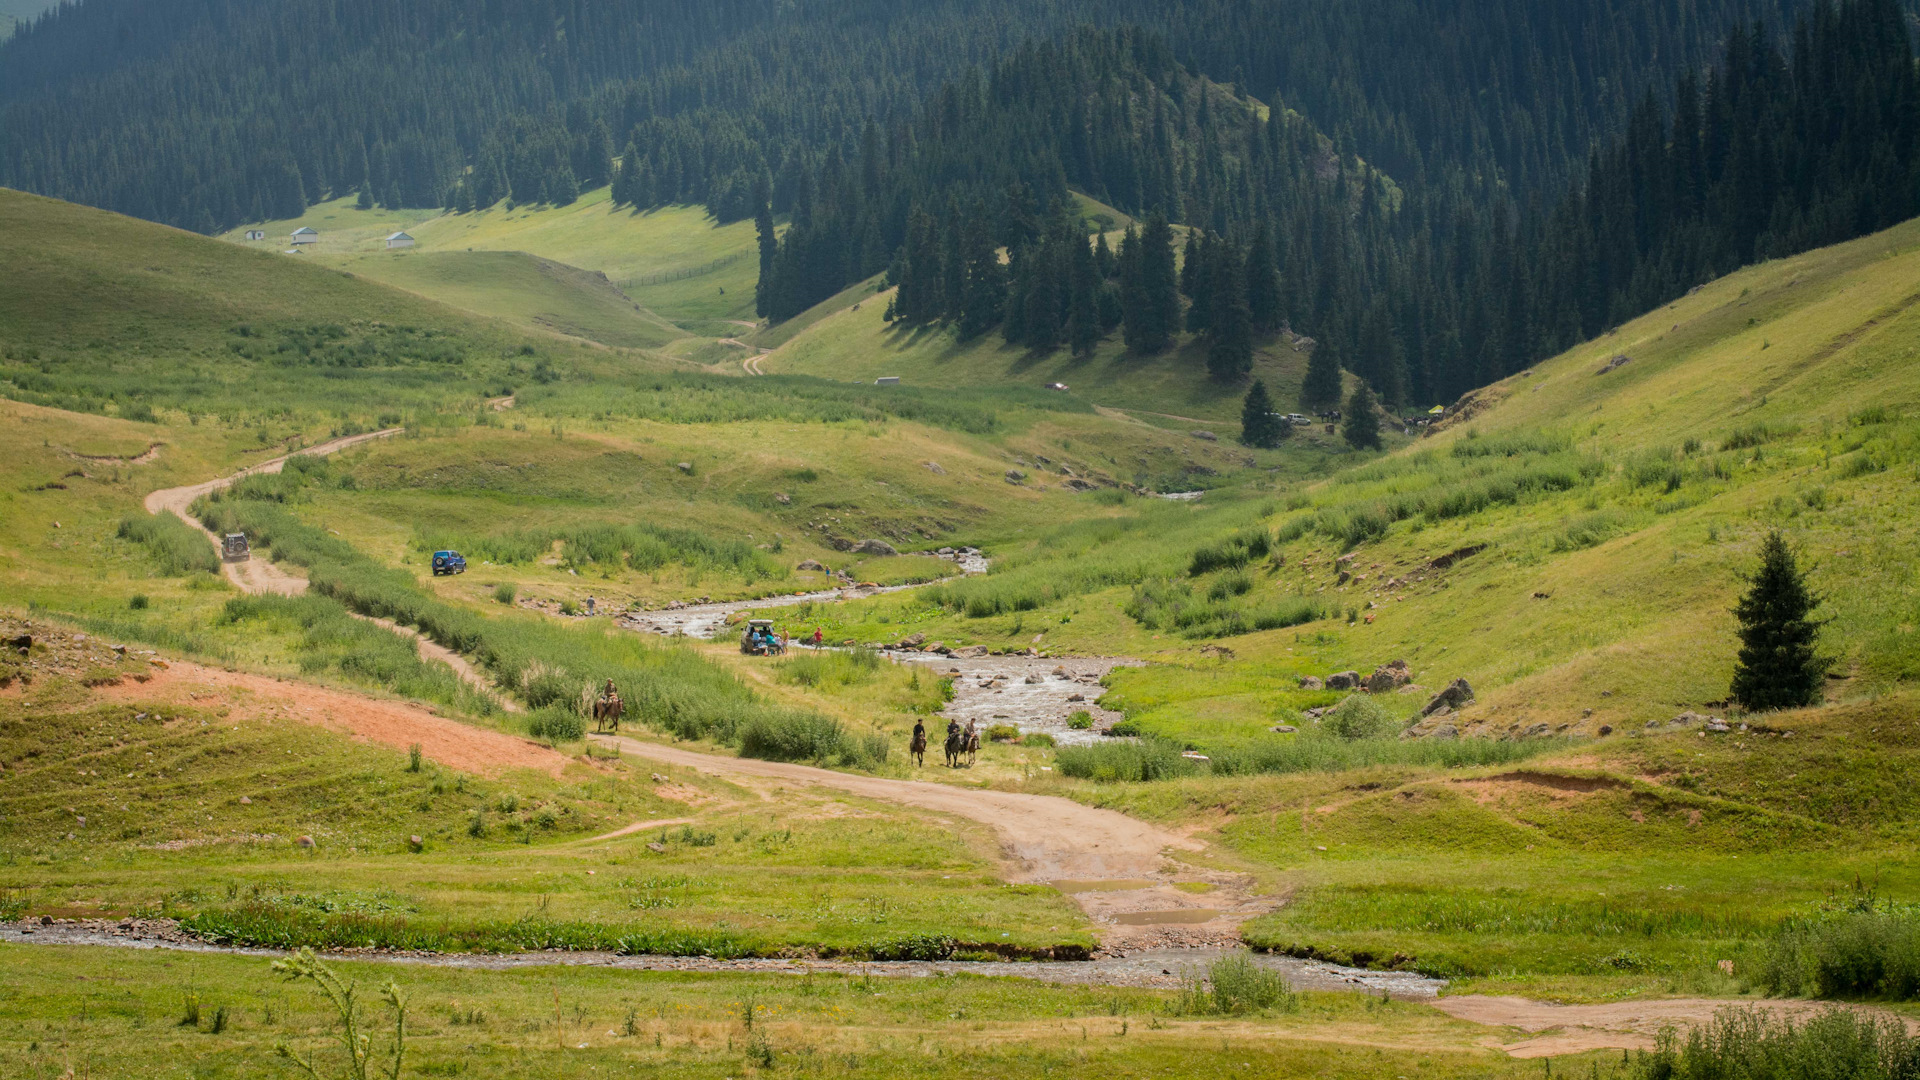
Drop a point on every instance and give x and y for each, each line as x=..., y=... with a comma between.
x=1321, y=388
x=986, y=278
x=1777, y=667
x=1361, y=425
x=763, y=304
x=1153, y=313
x=1259, y=424
x=1265, y=308
x=1083, y=305
x=1230, y=335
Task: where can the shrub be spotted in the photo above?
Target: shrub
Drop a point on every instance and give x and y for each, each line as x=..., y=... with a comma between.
x=1003, y=733
x=1235, y=984
x=1231, y=553
x=505, y=592
x=1747, y=1044
x=1081, y=720
x=1109, y=762
x=177, y=547
x=1039, y=738
x=557, y=724
x=1360, y=716
x=1867, y=952
x=790, y=735
x=138, y=602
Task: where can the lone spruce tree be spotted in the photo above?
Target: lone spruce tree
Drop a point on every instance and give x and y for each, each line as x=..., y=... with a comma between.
x=1361, y=426
x=1777, y=667
x=1259, y=425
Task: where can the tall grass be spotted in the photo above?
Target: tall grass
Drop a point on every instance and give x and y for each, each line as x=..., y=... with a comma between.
x=669, y=688
x=1159, y=759
x=1748, y=1044
x=335, y=641
x=1870, y=952
x=644, y=547
x=177, y=547
x=1220, y=612
x=1233, y=986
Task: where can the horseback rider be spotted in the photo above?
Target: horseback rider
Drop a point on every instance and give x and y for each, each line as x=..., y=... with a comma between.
x=609, y=695
x=918, y=747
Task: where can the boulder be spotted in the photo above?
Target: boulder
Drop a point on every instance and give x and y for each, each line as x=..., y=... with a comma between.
x=1284, y=729
x=1343, y=680
x=971, y=652
x=1014, y=476
x=913, y=641
x=812, y=564
x=874, y=547
x=1207, y=436
x=1456, y=695
x=684, y=466
x=414, y=844
x=1311, y=682
x=1444, y=731
x=783, y=498
x=934, y=468
x=1688, y=719
x=939, y=647
x=1605, y=730
x=1388, y=677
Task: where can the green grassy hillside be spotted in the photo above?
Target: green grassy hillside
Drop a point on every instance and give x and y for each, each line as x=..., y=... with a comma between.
x=109, y=314
x=673, y=261
x=527, y=290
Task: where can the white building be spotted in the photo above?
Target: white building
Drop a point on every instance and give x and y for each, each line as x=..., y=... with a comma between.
x=305, y=235
x=399, y=240
x=256, y=234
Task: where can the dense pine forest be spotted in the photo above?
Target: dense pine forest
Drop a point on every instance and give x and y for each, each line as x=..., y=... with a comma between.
x=1438, y=193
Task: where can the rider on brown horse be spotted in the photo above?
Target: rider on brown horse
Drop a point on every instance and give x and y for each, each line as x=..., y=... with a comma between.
x=608, y=708
x=918, y=748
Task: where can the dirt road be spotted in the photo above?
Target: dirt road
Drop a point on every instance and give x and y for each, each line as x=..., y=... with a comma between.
x=1615, y=1025
x=391, y=723
x=258, y=576
x=1114, y=866
x=254, y=576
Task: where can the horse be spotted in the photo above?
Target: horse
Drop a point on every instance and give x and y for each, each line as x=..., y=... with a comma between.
x=956, y=745
x=918, y=748
x=608, y=711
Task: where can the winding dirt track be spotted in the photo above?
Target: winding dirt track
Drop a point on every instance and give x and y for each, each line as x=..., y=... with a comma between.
x=1045, y=838
x=258, y=576
x=254, y=576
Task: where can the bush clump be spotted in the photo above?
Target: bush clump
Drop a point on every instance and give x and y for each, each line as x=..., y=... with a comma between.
x=556, y=723
x=789, y=735
x=1748, y=1044
x=1109, y=762
x=1234, y=985
x=1360, y=716
x=1869, y=952
x=178, y=548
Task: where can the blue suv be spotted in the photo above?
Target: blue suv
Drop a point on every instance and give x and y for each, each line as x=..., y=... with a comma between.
x=449, y=562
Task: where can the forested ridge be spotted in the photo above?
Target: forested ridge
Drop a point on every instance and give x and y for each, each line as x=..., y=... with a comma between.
x=1438, y=192
x=201, y=113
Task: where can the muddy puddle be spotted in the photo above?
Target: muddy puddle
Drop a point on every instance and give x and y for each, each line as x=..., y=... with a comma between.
x=1158, y=968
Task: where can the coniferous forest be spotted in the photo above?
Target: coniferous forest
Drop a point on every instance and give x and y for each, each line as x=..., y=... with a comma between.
x=1439, y=194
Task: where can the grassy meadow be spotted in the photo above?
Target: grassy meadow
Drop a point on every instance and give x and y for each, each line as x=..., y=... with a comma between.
x=1569, y=542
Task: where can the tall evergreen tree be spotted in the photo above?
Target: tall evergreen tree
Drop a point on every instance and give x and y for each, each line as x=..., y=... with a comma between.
x=769, y=250
x=1265, y=310
x=1230, y=333
x=1778, y=667
x=1360, y=427
x=1321, y=388
x=1259, y=424
x=1152, y=321
x=986, y=292
x=1083, y=311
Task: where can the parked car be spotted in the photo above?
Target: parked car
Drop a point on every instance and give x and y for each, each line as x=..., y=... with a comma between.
x=449, y=562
